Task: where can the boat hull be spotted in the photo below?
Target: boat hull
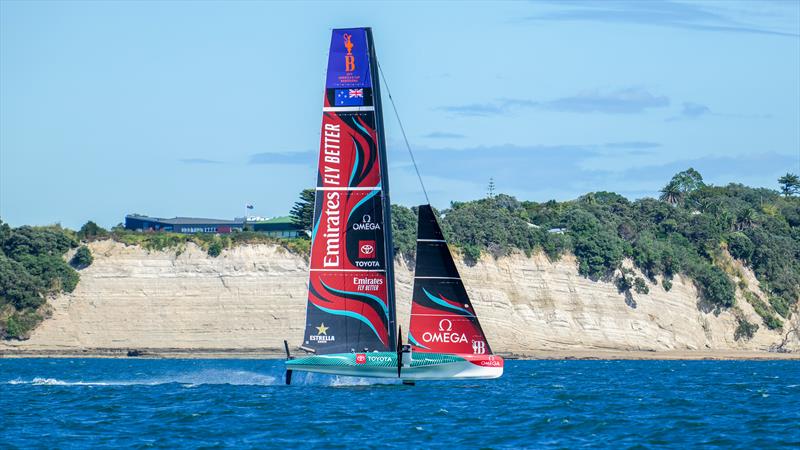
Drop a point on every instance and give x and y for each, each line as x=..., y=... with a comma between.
x=424, y=366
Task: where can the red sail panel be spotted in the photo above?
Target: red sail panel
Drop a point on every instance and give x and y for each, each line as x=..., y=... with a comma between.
x=349, y=300
x=442, y=317
x=348, y=154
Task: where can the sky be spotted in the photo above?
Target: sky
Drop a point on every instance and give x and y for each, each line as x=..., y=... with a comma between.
x=196, y=109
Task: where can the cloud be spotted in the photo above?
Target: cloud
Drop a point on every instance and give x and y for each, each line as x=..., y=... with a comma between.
x=199, y=161
x=306, y=157
x=631, y=100
x=713, y=17
x=623, y=101
x=475, y=109
x=633, y=145
x=540, y=172
x=443, y=135
x=690, y=111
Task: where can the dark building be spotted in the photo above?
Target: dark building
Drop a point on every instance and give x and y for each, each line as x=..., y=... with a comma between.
x=182, y=224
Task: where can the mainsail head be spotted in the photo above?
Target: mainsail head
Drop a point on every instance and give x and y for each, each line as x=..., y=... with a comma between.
x=350, y=290
x=442, y=317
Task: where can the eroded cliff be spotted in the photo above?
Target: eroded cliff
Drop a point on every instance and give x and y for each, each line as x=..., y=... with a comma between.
x=252, y=297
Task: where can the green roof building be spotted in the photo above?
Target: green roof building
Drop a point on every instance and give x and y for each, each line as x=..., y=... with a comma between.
x=277, y=227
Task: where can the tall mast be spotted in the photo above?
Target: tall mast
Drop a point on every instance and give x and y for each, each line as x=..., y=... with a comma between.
x=387, y=204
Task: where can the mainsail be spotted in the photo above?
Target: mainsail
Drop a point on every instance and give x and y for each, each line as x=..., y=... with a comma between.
x=442, y=317
x=351, y=304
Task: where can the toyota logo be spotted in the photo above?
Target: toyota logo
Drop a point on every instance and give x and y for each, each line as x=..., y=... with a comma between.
x=367, y=249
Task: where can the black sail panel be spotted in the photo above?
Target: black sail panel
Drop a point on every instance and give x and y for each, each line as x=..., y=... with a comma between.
x=442, y=317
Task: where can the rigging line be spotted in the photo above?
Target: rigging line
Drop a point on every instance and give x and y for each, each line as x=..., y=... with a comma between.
x=403, y=131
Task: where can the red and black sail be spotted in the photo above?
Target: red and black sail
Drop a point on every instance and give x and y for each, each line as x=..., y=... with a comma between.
x=351, y=303
x=442, y=317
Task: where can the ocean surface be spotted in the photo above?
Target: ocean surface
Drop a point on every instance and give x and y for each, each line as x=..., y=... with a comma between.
x=141, y=403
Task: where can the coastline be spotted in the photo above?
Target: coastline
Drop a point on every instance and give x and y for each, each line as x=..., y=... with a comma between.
x=274, y=353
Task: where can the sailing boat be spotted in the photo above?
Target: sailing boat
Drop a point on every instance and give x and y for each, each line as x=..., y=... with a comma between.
x=351, y=324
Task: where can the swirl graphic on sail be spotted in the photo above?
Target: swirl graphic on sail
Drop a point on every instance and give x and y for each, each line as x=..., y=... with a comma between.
x=442, y=317
x=350, y=291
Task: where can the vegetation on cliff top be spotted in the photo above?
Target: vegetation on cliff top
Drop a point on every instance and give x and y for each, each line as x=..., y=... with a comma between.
x=686, y=231
x=32, y=267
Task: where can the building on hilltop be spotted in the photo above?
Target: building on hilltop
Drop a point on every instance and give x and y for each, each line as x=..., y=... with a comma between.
x=275, y=227
x=182, y=224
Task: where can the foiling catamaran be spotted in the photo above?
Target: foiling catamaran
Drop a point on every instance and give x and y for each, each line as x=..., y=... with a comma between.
x=351, y=324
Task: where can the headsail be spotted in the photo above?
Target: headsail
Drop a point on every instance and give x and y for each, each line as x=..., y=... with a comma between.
x=442, y=317
x=350, y=291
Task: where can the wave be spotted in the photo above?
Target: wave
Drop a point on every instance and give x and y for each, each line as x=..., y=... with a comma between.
x=191, y=379
x=214, y=377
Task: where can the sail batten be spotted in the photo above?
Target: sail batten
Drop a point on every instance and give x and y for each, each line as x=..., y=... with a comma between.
x=350, y=291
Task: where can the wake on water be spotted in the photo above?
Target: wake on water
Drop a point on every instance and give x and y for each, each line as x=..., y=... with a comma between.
x=214, y=377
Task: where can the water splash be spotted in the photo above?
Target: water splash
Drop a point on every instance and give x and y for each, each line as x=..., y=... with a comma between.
x=318, y=379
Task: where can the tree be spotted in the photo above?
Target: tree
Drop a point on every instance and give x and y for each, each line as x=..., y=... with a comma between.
x=790, y=184
x=745, y=218
x=740, y=246
x=689, y=180
x=671, y=193
x=90, y=231
x=303, y=210
x=404, y=231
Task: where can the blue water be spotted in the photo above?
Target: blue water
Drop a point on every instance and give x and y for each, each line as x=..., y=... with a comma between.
x=79, y=403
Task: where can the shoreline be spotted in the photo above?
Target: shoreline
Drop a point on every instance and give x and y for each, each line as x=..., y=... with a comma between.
x=274, y=353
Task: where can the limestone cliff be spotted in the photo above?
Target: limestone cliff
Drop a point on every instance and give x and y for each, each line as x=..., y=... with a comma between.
x=252, y=297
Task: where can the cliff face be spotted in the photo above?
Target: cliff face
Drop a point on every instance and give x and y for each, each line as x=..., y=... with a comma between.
x=252, y=297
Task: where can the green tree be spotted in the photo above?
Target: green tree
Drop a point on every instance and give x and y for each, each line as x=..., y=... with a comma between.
x=404, y=231
x=91, y=231
x=790, y=184
x=740, y=246
x=82, y=258
x=302, y=212
x=17, y=286
x=671, y=193
x=688, y=181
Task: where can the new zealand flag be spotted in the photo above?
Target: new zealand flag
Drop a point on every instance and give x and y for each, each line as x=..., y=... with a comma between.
x=349, y=97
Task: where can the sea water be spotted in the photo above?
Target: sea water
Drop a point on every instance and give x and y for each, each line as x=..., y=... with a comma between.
x=144, y=403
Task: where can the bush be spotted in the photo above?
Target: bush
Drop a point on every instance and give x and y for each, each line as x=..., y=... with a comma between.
x=555, y=245
x=499, y=222
x=599, y=252
x=781, y=306
x=82, y=258
x=91, y=231
x=19, y=325
x=762, y=309
x=744, y=330
x=624, y=283
x=214, y=249
x=714, y=285
x=740, y=246
x=666, y=283
x=640, y=286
